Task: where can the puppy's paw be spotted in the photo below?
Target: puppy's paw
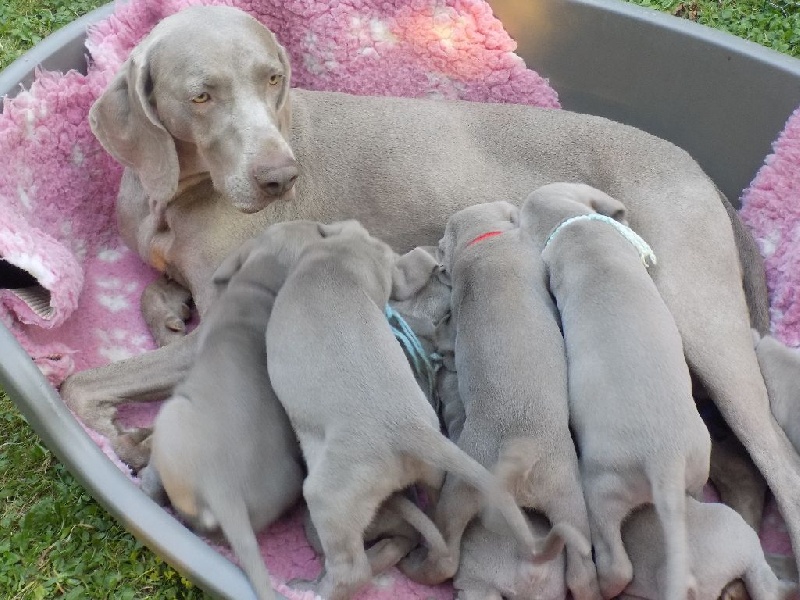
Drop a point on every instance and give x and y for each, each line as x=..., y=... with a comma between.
x=133, y=447
x=424, y=567
x=735, y=590
x=165, y=308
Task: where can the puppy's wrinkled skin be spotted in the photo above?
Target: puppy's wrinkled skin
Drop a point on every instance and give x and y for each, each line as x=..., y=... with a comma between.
x=365, y=427
x=512, y=380
x=627, y=380
x=401, y=166
x=223, y=450
x=722, y=549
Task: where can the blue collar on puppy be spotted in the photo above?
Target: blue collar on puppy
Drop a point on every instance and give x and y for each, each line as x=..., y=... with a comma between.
x=644, y=249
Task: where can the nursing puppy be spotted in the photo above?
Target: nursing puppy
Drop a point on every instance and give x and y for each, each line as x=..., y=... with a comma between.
x=640, y=437
x=722, y=548
x=489, y=567
x=364, y=425
x=222, y=445
x=512, y=380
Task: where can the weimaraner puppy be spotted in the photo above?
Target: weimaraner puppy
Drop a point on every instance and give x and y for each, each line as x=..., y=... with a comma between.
x=640, y=437
x=722, y=549
x=210, y=168
x=364, y=425
x=512, y=380
x=489, y=567
x=222, y=445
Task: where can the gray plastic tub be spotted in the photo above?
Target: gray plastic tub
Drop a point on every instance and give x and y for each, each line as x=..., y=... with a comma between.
x=722, y=99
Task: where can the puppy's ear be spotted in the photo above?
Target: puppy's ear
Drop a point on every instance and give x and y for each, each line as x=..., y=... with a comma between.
x=231, y=265
x=411, y=273
x=284, y=106
x=125, y=122
x=350, y=226
x=603, y=204
x=511, y=212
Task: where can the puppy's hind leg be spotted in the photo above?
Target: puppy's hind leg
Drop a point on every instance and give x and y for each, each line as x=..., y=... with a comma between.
x=669, y=499
x=556, y=492
x=607, y=509
x=342, y=508
x=458, y=504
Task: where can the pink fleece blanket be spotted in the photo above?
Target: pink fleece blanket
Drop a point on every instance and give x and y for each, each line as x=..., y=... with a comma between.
x=57, y=186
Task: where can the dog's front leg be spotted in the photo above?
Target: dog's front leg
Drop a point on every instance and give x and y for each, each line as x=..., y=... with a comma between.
x=93, y=395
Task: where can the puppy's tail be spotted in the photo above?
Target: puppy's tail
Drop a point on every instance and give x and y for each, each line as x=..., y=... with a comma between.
x=414, y=516
x=513, y=470
x=669, y=499
x=435, y=449
x=235, y=524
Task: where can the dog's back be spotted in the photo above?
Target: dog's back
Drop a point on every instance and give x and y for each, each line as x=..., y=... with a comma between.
x=622, y=344
x=331, y=311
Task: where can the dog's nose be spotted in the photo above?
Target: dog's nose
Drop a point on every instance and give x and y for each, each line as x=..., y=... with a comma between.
x=276, y=180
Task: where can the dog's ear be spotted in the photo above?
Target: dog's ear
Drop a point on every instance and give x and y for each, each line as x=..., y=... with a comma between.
x=603, y=204
x=126, y=124
x=350, y=226
x=511, y=212
x=284, y=106
x=231, y=265
x=411, y=272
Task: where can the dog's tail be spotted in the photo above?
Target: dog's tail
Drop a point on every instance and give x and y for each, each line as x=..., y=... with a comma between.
x=435, y=449
x=235, y=524
x=669, y=499
x=513, y=471
x=413, y=515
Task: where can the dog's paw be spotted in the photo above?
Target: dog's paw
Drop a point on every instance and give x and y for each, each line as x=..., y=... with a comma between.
x=165, y=308
x=423, y=567
x=133, y=447
x=735, y=590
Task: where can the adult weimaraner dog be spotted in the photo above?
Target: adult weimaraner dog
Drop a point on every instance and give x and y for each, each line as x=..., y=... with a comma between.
x=217, y=147
x=512, y=381
x=365, y=427
x=640, y=437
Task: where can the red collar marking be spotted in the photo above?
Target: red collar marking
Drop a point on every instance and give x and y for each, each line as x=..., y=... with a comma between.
x=483, y=236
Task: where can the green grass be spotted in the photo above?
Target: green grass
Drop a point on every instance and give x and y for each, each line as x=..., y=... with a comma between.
x=55, y=541
x=24, y=22
x=771, y=23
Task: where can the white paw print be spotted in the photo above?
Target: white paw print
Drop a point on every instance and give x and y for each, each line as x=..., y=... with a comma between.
x=118, y=344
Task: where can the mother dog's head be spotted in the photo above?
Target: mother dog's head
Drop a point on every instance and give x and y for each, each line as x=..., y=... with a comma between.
x=207, y=91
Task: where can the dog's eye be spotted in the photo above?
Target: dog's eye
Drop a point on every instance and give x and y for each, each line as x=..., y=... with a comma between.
x=275, y=79
x=201, y=98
